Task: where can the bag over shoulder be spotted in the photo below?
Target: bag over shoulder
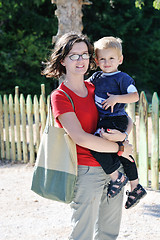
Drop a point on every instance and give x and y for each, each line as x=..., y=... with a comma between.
x=55, y=169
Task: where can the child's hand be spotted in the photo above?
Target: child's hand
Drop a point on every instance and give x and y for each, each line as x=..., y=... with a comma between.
x=110, y=102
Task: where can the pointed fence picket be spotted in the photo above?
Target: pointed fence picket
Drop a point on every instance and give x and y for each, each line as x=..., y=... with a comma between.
x=37, y=123
x=131, y=109
x=6, y=126
x=1, y=130
x=143, y=140
x=23, y=129
x=22, y=122
x=30, y=127
x=17, y=123
x=155, y=142
x=12, y=132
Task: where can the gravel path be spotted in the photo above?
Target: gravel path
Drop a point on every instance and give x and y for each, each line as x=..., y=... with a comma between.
x=26, y=216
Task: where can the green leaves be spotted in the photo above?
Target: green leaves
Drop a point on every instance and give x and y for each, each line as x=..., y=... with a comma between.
x=139, y=3
x=139, y=31
x=156, y=4
x=26, y=30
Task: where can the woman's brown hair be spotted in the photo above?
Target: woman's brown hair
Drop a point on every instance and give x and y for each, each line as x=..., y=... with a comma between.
x=54, y=68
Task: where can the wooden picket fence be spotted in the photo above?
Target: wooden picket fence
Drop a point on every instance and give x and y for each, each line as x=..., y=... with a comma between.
x=22, y=122
x=146, y=139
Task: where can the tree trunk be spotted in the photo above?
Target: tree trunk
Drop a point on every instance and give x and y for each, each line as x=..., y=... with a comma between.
x=69, y=15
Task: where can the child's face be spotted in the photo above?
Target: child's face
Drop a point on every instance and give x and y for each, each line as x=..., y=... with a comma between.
x=109, y=60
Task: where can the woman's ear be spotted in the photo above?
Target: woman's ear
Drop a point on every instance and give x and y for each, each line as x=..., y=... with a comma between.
x=62, y=62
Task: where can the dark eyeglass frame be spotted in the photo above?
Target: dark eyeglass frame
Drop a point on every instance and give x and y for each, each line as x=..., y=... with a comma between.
x=79, y=55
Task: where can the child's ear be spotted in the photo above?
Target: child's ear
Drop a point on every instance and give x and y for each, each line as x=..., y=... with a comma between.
x=96, y=60
x=121, y=60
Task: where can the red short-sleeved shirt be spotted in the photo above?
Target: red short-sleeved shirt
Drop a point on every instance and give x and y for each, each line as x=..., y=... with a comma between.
x=86, y=112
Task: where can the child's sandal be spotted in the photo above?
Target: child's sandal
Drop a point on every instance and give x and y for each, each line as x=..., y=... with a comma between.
x=115, y=187
x=135, y=196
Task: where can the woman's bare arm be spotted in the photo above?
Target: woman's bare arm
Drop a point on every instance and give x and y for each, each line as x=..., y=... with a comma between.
x=73, y=127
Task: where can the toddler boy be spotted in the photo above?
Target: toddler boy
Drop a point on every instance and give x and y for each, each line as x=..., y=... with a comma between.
x=113, y=89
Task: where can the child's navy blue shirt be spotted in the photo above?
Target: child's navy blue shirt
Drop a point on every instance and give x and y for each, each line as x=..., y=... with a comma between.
x=114, y=83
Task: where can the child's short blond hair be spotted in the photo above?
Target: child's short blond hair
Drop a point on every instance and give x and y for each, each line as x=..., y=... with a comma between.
x=108, y=42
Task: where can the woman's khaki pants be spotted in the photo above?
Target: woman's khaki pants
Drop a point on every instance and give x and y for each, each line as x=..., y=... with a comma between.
x=95, y=216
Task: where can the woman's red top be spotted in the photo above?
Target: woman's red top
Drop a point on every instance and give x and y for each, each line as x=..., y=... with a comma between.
x=86, y=112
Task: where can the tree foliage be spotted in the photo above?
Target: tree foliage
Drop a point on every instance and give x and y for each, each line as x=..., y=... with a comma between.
x=27, y=27
x=139, y=30
x=26, y=30
x=141, y=3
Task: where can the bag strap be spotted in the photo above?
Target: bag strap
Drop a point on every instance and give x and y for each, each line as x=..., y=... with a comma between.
x=67, y=97
x=49, y=121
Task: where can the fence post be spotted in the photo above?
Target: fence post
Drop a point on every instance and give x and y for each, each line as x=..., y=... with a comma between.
x=17, y=91
x=155, y=142
x=24, y=136
x=42, y=112
x=143, y=140
x=11, y=112
x=131, y=107
x=43, y=90
x=30, y=125
x=1, y=130
x=17, y=114
x=6, y=122
x=37, y=123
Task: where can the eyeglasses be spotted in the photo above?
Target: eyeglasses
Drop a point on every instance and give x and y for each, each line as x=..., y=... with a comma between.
x=76, y=57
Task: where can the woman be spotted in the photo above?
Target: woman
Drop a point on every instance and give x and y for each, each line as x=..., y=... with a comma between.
x=94, y=216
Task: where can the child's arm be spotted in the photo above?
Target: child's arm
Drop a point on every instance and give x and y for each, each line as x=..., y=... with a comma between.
x=125, y=98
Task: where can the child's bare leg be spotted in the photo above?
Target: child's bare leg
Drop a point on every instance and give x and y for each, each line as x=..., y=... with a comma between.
x=137, y=192
x=114, y=176
x=134, y=184
x=118, y=181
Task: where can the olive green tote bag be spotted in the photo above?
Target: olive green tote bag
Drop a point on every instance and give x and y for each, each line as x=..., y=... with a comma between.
x=55, y=170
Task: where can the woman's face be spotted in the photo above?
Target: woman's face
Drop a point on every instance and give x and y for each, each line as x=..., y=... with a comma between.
x=74, y=63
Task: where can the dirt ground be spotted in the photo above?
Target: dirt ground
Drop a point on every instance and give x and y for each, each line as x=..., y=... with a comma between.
x=27, y=216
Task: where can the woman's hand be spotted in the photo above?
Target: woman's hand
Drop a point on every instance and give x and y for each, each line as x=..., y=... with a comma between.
x=127, y=151
x=113, y=135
